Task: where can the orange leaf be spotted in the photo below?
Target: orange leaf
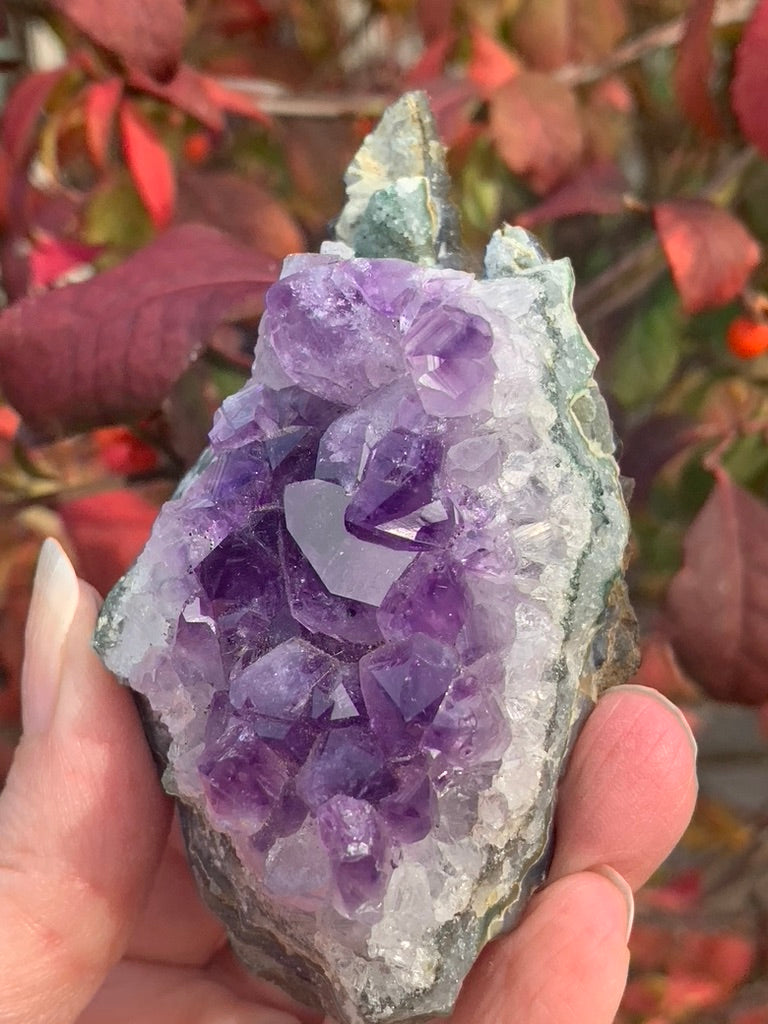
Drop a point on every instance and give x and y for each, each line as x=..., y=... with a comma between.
x=233, y=101
x=101, y=102
x=710, y=252
x=750, y=79
x=491, y=64
x=537, y=130
x=550, y=33
x=108, y=531
x=149, y=164
x=693, y=70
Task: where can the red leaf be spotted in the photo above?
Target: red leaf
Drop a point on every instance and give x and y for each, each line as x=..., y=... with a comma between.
x=149, y=164
x=434, y=17
x=452, y=101
x=146, y=34
x=121, y=451
x=242, y=208
x=693, y=70
x=550, y=33
x=710, y=252
x=491, y=64
x=25, y=106
x=685, y=992
x=431, y=63
x=596, y=189
x=108, y=531
x=101, y=102
x=718, y=601
x=50, y=259
x=678, y=896
x=233, y=101
x=186, y=91
x=111, y=348
x=535, y=125
x=750, y=79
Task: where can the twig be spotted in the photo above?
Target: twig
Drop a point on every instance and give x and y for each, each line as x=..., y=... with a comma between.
x=280, y=103
x=632, y=274
x=727, y=12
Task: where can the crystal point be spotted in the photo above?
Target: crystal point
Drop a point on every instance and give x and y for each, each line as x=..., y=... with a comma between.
x=368, y=626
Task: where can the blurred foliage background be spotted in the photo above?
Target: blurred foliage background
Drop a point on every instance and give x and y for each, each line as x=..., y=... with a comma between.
x=156, y=167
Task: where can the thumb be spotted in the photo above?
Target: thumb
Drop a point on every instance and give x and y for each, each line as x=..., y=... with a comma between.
x=82, y=818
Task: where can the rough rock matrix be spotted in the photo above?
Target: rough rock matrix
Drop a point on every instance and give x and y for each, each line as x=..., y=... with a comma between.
x=365, y=630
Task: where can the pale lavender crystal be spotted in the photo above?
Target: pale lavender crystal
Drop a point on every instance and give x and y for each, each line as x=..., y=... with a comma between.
x=361, y=630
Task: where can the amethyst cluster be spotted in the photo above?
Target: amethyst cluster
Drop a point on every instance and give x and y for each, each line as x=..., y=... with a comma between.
x=344, y=614
x=366, y=628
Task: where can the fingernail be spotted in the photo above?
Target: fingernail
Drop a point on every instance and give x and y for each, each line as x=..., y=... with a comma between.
x=622, y=885
x=55, y=595
x=81, y=665
x=652, y=694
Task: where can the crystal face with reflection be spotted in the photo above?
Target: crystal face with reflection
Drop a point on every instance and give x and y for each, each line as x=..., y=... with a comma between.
x=363, y=631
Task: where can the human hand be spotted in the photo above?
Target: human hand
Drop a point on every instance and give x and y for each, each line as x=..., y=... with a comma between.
x=100, y=922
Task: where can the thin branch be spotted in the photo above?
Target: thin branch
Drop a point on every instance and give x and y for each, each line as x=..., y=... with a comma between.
x=727, y=12
x=279, y=102
x=632, y=274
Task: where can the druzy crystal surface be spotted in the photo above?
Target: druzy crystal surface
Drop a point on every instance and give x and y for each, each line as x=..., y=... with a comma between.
x=365, y=630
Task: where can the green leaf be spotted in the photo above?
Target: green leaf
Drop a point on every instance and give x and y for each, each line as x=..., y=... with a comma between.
x=117, y=219
x=647, y=356
x=747, y=459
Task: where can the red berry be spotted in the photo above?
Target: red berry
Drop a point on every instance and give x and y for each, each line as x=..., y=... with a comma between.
x=747, y=339
x=197, y=147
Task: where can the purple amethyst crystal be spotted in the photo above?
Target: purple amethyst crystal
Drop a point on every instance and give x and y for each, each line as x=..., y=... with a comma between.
x=363, y=630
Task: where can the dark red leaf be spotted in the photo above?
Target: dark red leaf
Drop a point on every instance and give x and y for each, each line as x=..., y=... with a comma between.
x=649, y=445
x=693, y=70
x=149, y=163
x=596, y=189
x=718, y=601
x=750, y=79
x=108, y=531
x=434, y=17
x=101, y=102
x=710, y=252
x=146, y=34
x=536, y=127
x=431, y=63
x=186, y=91
x=111, y=348
x=491, y=64
x=25, y=106
x=233, y=102
x=452, y=101
x=51, y=258
x=241, y=207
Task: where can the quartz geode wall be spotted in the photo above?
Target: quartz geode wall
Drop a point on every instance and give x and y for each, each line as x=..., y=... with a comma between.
x=366, y=629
